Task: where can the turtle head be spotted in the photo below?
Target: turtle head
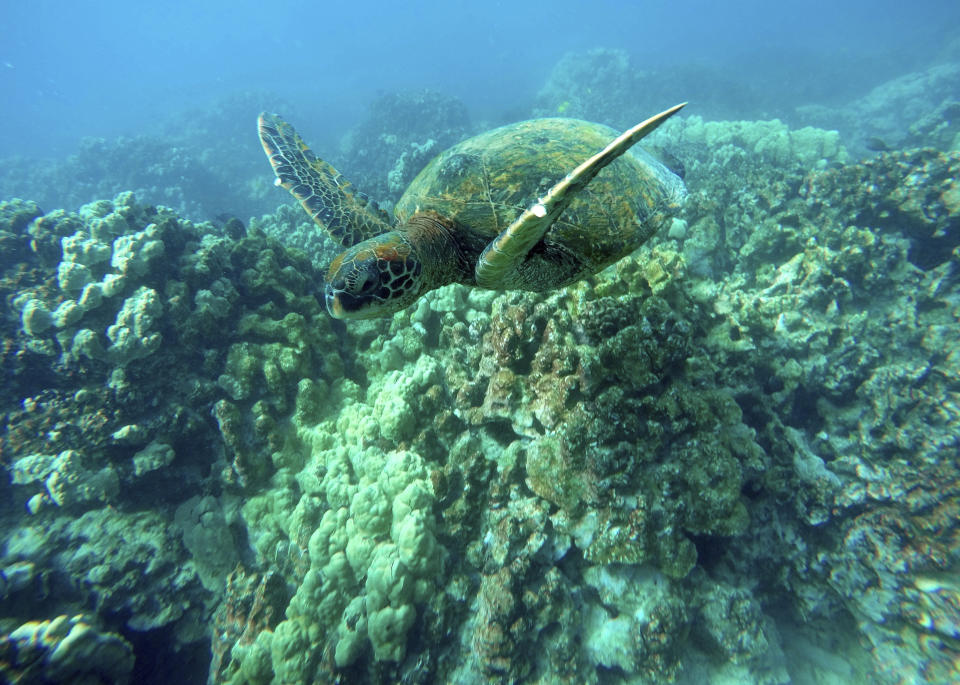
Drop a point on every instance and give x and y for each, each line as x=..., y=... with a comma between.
x=376, y=277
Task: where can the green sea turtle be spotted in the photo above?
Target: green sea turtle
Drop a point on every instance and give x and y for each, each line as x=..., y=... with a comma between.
x=507, y=209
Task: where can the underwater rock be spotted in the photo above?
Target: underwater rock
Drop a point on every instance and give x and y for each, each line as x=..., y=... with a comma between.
x=69, y=478
x=244, y=623
x=401, y=133
x=154, y=456
x=15, y=216
x=133, y=252
x=519, y=597
x=914, y=193
x=107, y=406
x=646, y=619
x=767, y=142
x=917, y=109
x=568, y=391
x=198, y=162
x=731, y=621
x=208, y=538
x=35, y=318
x=128, y=569
x=72, y=481
x=290, y=225
x=388, y=560
x=839, y=331
x=610, y=86
x=133, y=564
x=65, y=650
x=133, y=335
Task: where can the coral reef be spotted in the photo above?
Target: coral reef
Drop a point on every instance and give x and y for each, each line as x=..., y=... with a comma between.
x=199, y=163
x=401, y=133
x=916, y=109
x=609, y=86
x=728, y=457
x=664, y=471
x=150, y=366
x=64, y=650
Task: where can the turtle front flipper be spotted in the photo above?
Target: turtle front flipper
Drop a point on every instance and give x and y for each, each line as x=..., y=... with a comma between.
x=346, y=214
x=508, y=250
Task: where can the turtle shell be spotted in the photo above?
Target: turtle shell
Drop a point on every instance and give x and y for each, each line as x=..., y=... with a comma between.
x=485, y=182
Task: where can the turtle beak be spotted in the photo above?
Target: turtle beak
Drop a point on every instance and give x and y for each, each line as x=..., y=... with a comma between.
x=333, y=303
x=342, y=305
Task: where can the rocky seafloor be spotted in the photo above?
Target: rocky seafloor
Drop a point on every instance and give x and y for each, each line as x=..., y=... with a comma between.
x=731, y=457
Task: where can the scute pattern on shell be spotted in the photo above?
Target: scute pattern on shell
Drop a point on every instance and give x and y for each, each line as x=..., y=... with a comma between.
x=484, y=183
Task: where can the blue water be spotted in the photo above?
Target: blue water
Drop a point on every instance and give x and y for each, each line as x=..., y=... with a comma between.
x=69, y=70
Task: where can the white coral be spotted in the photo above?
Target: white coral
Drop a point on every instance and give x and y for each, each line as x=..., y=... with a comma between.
x=133, y=335
x=133, y=253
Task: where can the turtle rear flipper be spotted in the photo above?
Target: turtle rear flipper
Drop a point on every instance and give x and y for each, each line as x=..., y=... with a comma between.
x=508, y=250
x=346, y=214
